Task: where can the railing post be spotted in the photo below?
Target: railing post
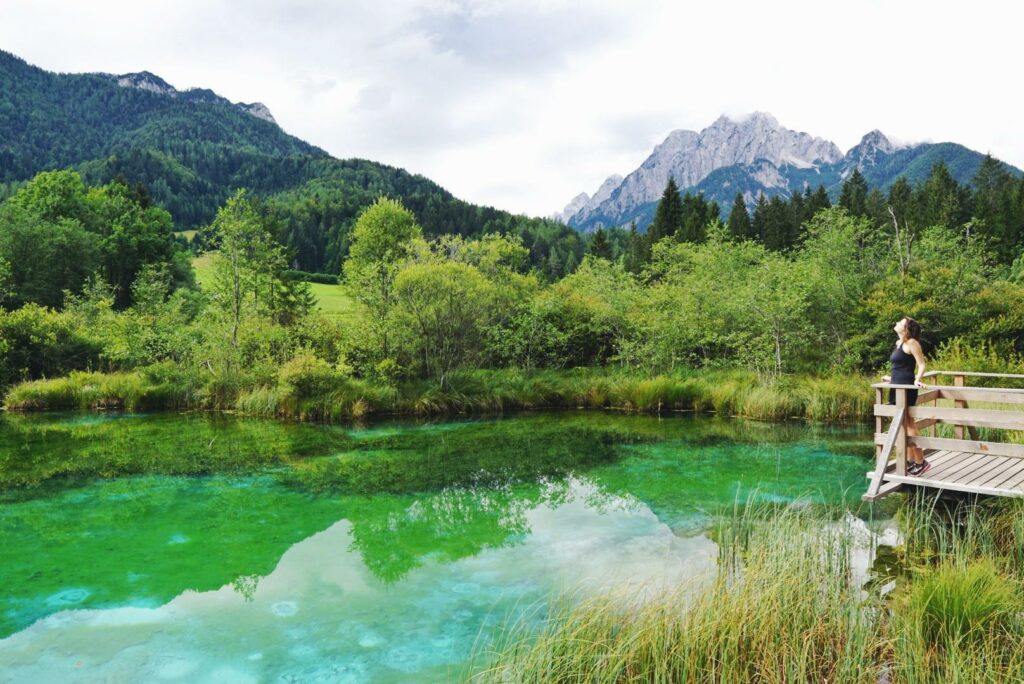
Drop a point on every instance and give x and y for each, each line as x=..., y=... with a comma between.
x=878, y=419
x=958, y=430
x=900, y=446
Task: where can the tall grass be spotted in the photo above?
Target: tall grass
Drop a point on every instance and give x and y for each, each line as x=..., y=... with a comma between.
x=785, y=606
x=125, y=391
x=309, y=390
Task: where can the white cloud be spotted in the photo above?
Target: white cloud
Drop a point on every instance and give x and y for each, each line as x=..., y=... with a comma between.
x=522, y=105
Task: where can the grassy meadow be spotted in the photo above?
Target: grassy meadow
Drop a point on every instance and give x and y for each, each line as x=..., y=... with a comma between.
x=332, y=300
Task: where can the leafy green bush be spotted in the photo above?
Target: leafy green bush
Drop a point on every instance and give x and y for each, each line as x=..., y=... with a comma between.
x=39, y=342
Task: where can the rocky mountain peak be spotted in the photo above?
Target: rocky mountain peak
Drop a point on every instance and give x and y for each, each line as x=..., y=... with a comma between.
x=867, y=153
x=257, y=109
x=145, y=80
x=574, y=205
x=583, y=205
x=878, y=141
x=689, y=157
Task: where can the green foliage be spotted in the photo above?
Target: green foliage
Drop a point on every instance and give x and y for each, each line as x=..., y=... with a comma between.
x=446, y=307
x=382, y=239
x=39, y=342
x=739, y=220
x=855, y=194
x=56, y=234
x=668, y=219
x=599, y=247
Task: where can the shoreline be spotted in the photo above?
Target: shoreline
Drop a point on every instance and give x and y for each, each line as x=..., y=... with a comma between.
x=728, y=393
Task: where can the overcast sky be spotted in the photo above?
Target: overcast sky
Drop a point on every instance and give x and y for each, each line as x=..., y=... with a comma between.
x=522, y=105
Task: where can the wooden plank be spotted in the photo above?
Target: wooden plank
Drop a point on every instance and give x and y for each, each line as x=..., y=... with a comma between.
x=979, y=474
x=992, y=418
x=878, y=424
x=950, y=465
x=996, y=448
x=954, y=486
x=940, y=457
x=958, y=431
x=947, y=462
x=885, y=490
x=993, y=395
x=883, y=458
x=970, y=374
x=961, y=469
x=961, y=466
x=1015, y=482
x=1013, y=467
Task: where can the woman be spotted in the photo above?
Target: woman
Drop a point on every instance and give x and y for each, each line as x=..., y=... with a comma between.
x=907, y=354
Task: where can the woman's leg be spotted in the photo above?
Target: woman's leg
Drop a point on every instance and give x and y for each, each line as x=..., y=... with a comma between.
x=915, y=453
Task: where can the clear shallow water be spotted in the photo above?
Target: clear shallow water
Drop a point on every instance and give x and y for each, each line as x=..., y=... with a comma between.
x=304, y=553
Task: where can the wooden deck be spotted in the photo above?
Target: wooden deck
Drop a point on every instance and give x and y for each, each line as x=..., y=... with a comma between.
x=993, y=468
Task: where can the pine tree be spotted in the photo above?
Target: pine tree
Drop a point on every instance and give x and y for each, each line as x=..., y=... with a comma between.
x=993, y=207
x=695, y=218
x=776, y=225
x=571, y=262
x=854, y=195
x=757, y=224
x=599, y=246
x=901, y=201
x=819, y=201
x=796, y=215
x=875, y=207
x=635, y=250
x=739, y=219
x=942, y=201
x=668, y=218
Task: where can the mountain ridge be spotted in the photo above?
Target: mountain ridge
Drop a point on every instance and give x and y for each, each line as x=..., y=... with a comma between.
x=146, y=80
x=191, y=152
x=754, y=154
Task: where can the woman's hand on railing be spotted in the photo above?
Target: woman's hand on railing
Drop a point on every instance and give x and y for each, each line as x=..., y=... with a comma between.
x=886, y=378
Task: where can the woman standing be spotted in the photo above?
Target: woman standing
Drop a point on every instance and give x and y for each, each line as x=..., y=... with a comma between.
x=907, y=354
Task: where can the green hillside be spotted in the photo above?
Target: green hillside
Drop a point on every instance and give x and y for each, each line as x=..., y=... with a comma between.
x=191, y=156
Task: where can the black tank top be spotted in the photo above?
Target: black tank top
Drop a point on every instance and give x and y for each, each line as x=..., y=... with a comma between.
x=902, y=366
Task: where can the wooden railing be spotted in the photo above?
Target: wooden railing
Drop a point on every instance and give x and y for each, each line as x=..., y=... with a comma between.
x=892, y=445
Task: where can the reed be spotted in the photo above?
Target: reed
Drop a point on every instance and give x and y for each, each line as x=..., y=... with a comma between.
x=784, y=606
x=311, y=390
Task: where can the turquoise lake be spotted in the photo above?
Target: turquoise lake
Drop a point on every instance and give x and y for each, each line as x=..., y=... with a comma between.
x=211, y=548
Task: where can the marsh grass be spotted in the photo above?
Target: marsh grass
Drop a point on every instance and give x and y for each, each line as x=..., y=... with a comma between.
x=784, y=606
x=314, y=391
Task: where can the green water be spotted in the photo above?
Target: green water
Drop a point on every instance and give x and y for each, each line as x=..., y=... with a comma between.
x=209, y=548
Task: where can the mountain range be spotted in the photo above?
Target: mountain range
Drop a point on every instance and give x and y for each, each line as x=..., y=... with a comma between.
x=754, y=154
x=192, y=149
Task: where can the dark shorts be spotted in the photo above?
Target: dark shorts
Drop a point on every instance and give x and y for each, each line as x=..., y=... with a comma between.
x=911, y=397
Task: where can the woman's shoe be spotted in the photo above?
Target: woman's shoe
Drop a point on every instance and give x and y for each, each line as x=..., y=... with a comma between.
x=914, y=468
x=924, y=467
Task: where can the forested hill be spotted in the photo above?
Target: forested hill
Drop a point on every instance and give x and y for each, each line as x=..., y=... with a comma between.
x=192, y=155
x=52, y=121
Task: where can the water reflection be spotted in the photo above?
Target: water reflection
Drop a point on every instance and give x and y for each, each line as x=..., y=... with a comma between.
x=323, y=612
x=354, y=553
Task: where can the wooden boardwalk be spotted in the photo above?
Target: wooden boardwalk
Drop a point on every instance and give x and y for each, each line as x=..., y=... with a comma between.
x=965, y=465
